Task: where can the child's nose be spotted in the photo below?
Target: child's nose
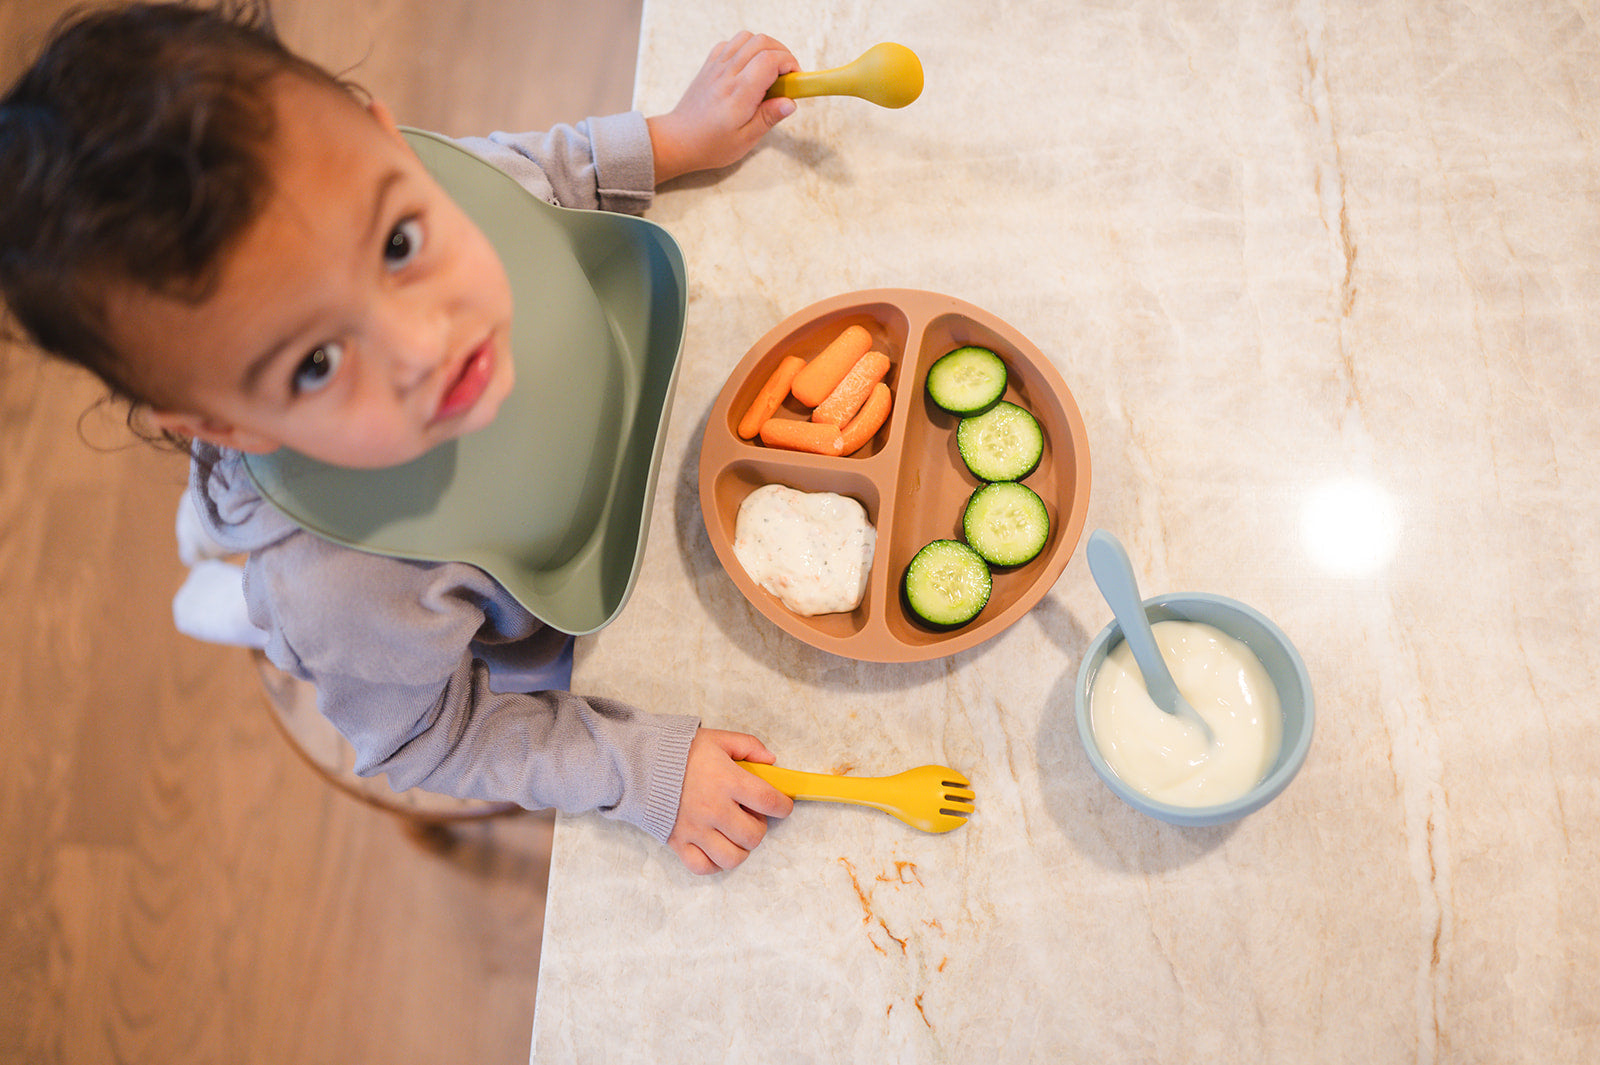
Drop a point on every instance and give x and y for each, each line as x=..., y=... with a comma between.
x=416, y=336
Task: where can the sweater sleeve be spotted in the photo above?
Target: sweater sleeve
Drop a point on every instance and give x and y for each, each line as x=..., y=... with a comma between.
x=599, y=164
x=400, y=679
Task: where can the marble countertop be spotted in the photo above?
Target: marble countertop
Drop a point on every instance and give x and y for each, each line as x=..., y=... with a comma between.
x=1324, y=280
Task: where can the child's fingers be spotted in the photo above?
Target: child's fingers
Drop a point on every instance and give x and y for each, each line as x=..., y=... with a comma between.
x=744, y=46
x=718, y=851
x=730, y=47
x=750, y=791
x=753, y=69
x=752, y=47
x=740, y=746
x=724, y=853
x=773, y=111
x=760, y=797
x=693, y=858
x=743, y=829
x=704, y=845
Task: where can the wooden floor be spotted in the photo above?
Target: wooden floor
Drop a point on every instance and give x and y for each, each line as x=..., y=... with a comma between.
x=175, y=885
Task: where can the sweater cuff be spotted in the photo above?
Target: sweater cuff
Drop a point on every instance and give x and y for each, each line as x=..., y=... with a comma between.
x=625, y=169
x=665, y=786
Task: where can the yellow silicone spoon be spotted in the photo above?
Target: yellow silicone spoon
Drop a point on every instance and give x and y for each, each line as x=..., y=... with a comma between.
x=889, y=75
x=933, y=798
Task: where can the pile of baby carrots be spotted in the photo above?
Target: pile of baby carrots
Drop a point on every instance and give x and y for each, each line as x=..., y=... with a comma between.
x=843, y=385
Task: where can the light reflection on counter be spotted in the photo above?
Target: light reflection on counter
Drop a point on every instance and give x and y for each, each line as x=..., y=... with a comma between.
x=1349, y=526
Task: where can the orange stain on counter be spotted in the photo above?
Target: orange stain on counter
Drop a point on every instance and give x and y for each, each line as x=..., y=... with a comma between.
x=892, y=936
x=904, y=873
x=866, y=903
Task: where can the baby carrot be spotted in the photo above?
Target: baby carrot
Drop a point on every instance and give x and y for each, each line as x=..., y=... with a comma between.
x=796, y=435
x=874, y=412
x=812, y=384
x=847, y=396
x=772, y=394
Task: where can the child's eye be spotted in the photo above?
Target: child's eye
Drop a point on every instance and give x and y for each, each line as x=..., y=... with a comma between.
x=317, y=369
x=404, y=242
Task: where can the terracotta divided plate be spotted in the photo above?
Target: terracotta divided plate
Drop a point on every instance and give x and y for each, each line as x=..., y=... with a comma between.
x=909, y=477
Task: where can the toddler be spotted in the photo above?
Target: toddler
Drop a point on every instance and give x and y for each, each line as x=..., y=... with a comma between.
x=251, y=255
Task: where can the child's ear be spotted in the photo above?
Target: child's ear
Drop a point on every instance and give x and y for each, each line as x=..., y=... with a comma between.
x=380, y=111
x=201, y=427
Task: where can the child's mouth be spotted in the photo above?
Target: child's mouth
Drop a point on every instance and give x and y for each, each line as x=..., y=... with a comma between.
x=469, y=385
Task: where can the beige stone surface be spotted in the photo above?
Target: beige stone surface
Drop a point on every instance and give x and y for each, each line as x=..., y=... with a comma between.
x=1324, y=279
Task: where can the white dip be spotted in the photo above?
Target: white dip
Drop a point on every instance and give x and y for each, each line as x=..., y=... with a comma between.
x=812, y=550
x=1160, y=755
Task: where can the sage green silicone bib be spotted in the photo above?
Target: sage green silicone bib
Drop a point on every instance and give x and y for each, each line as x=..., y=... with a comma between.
x=552, y=499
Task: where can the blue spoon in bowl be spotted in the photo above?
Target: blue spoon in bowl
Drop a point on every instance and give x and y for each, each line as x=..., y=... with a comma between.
x=1113, y=572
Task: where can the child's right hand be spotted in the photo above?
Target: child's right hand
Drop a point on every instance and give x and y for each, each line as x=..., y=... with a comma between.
x=724, y=112
x=723, y=812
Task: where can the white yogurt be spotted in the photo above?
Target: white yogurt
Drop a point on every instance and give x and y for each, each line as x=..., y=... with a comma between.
x=1167, y=759
x=813, y=550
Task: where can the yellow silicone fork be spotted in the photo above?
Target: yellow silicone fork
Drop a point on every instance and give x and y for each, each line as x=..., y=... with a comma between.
x=933, y=798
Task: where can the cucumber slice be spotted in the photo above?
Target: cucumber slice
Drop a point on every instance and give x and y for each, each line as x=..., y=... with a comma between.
x=967, y=380
x=1006, y=523
x=947, y=583
x=1003, y=443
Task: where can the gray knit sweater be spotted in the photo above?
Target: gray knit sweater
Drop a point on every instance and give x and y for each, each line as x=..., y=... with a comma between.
x=414, y=662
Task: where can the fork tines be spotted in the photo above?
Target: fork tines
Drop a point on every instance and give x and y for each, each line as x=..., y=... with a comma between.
x=960, y=800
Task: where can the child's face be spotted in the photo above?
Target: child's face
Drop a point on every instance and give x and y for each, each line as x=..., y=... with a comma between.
x=361, y=320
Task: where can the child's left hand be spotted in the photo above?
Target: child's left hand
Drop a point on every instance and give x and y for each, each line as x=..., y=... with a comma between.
x=724, y=112
x=722, y=814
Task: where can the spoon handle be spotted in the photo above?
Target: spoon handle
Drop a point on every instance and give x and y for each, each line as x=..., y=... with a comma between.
x=1113, y=572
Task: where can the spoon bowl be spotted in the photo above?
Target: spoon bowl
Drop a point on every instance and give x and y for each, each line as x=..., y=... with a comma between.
x=888, y=74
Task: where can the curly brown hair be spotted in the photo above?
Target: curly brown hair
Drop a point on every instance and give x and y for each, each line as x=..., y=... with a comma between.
x=133, y=149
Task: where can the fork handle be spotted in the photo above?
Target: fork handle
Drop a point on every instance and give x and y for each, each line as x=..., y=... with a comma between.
x=822, y=787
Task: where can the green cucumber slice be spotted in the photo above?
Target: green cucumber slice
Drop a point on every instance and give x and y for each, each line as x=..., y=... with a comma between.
x=1006, y=523
x=967, y=380
x=947, y=583
x=1003, y=443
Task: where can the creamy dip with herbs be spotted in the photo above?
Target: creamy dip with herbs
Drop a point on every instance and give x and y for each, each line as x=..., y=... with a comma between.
x=813, y=550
